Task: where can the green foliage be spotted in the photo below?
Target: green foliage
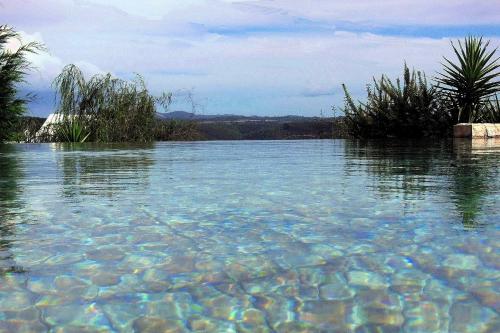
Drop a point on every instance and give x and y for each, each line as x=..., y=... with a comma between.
x=407, y=109
x=176, y=130
x=491, y=112
x=13, y=68
x=110, y=109
x=471, y=81
x=27, y=128
x=71, y=130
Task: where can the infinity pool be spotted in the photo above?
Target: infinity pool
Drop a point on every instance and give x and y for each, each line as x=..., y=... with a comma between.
x=257, y=236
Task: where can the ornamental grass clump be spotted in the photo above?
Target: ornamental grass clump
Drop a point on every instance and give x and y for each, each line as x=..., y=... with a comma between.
x=108, y=109
x=407, y=108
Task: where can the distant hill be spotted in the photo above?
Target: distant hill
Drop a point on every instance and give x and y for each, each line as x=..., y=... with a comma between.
x=183, y=115
x=235, y=127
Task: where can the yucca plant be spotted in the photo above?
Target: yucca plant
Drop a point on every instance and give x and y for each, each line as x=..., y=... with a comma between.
x=472, y=80
x=71, y=130
x=13, y=68
x=491, y=113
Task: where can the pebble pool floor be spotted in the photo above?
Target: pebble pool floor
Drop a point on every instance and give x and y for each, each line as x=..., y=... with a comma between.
x=262, y=236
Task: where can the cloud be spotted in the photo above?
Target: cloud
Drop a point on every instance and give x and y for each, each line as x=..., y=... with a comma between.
x=252, y=57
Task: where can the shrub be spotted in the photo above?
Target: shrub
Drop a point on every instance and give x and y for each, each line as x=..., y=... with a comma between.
x=110, y=109
x=409, y=109
x=176, y=130
x=13, y=68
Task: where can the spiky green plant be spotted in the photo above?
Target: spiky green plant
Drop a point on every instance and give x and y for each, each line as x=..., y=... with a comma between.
x=407, y=108
x=14, y=66
x=71, y=130
x=491, y=112
x=472, y=80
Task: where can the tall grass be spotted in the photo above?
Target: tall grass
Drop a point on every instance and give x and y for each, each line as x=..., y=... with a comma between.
x=107, y=108
x=13, y=68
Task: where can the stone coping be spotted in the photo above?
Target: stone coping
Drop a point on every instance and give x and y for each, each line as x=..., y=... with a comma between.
x=473, y=130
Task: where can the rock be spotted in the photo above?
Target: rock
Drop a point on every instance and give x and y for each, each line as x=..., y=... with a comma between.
x=381, y=316
x=366, y=279
x=199, y=323
x=106, y=253
x=424, y=317
x=103, y=279
x=326, y=313
x=470, y=316
x=336, y=291
x=462, y=262
x=15, y=301
x=155, y=325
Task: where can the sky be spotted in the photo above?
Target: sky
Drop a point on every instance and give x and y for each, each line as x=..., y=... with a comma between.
x=248, y=57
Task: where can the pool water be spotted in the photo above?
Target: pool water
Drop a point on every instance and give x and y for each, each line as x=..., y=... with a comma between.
x=250, y=236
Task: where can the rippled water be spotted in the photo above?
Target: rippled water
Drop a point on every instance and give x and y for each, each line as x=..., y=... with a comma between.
x=272, y=236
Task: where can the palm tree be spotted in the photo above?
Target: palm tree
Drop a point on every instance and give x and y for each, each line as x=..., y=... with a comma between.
x=13, y=68
x=470, y=82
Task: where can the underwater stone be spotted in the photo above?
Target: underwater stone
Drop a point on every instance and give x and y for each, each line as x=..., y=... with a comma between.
x=133, y=262
x=12, y=282
x=105, y=279
x=379, y=298
x=80, y=329
x=488, y=296
x=246, y=328
x=469, y=316
x=253, y=317
x=312, y=276
x=336, y=291
x=14, y=301
x=155, y=324
x=225, y=307
x=41, y=285
x=380, y=316
x=462, y=262
x=278, y=309
x=424, y=317
x=156, y=280
x=366, y=279
x=326, y=312
x=28, y=314
x=122, y=315
x=199, y=323
x=69, y=284
x=408, y=281
x=63, y=259
x=180, y=264
x=297, y=327
x=21, y=326
x=76, y=314
x=326, y=251
x=299, y=291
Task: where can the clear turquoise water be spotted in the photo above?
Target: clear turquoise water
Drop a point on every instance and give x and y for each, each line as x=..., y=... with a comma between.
x=267, y=236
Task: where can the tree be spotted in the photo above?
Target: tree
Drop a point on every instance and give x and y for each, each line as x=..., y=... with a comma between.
x=14, y=66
